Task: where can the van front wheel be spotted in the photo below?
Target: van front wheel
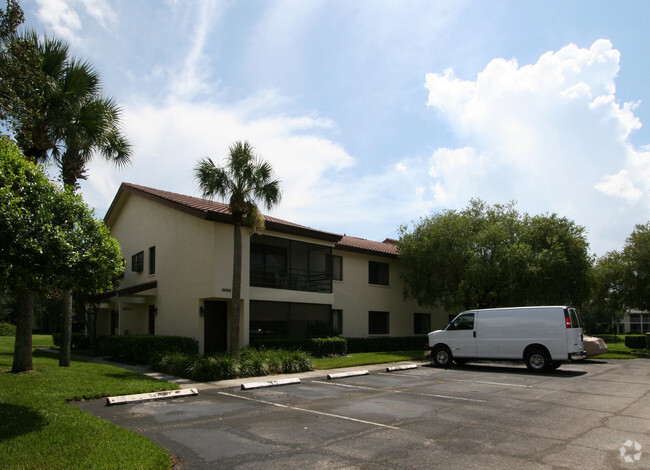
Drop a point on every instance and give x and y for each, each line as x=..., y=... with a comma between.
x=538, y=360
x=442, y=356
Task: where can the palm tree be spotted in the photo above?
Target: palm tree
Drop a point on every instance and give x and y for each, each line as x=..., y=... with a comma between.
x=244, y=180
x=65, y=118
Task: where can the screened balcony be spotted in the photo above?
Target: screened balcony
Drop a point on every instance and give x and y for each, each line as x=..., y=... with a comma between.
x=278, y=263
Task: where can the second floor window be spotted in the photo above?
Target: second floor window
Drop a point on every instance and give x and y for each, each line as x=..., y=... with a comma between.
x=137, y=262
x=378, y=273
x=337, y=268
x=152, y=260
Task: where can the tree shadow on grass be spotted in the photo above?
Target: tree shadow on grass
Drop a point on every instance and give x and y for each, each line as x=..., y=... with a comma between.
x=16, y=420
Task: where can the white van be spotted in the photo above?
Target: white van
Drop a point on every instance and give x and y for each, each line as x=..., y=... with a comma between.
x=543, y=337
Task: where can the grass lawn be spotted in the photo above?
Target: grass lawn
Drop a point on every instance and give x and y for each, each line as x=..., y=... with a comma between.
x=39, y=429
x=360, y=359
x=620, y=351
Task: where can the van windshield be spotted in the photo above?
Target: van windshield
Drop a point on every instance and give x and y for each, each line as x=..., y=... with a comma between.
x=462, y=322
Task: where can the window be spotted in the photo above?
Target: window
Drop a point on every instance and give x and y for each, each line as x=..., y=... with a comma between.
x=421, y=323
x=278, y=263
x=337, y=322
x=137, y=262
x=152, y=260
x=337, y=268
x=378, y=273
x=287, y=319
x=378, y=323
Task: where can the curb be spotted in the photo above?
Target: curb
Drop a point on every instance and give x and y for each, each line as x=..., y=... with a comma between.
x=269, y=383
x=140, y=397
x=353, y=373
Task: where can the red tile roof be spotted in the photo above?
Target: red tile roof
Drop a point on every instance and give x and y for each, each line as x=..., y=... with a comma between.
x=219, y=212
x=367, y=246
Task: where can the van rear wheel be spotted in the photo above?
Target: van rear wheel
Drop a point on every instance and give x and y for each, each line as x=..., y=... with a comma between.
x=538, y=360
x=442, y=356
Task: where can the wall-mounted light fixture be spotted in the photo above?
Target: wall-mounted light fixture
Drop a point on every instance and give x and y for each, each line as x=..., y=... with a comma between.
x=201, y=311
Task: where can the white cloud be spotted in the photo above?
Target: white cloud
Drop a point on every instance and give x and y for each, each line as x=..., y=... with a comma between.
x=169, y=140
x=101, y=11
x=60, y=17
x=550, y=135
x=63, y=18
x=620, y=185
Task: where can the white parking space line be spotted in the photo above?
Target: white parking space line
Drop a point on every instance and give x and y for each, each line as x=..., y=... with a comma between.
x=295, y=408
x=397, y=374
x=433, y=395
x=459, y=380
x=491, y=383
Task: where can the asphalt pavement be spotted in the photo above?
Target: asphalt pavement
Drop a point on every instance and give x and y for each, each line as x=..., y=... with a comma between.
x=592, y=414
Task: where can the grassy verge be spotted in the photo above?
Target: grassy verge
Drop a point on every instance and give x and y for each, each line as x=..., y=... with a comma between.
x=39, y=429
x=359, y=359
x=620, y=351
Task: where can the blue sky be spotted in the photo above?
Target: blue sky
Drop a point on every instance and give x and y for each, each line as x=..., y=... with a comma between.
x=376, y=113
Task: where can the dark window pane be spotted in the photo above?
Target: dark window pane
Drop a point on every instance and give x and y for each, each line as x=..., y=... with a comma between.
x=137, y=262
x=421, y=323
x=152, y=260
x=378, y=273
x=378, y=323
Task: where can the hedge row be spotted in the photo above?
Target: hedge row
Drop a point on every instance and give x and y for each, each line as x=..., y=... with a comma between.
x=7, y=329
x=636, y=341
x=323, y=347
x=78, y=340
x=252, y=363
x=642, y=340
x=145, y=349
x=317, y=347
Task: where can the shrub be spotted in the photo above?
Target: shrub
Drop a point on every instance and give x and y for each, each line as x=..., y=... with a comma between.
x=208, y=368
x=145, y=349
x=636, y=341
x=252, y=363
x=173, y=363
x=7, y=329
x=78, y=340
x=295, y=361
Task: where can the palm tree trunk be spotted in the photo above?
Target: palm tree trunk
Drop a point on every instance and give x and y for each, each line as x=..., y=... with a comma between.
x=235, y=317
x=66, y=331
x=23, y=345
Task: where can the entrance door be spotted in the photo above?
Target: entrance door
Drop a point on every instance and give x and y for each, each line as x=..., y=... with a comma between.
x=215, y=326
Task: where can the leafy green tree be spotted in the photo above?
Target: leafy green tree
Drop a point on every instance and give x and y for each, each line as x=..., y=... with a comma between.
x=608, y=293
x=488, y=256
x=10, y=18
x=636, y=271
x=56, y=110
x=48, y=238
x=561, y=261
x=244, y=180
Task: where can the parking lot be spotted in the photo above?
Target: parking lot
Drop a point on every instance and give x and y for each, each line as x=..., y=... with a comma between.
x=589, y=415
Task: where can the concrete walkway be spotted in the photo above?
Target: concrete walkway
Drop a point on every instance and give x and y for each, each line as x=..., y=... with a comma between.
x=187, y=383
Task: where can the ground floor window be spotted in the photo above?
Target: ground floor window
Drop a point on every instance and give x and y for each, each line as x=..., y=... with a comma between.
x=337, y=322
x=421, y=323
x=378, y=323
x=286, y=319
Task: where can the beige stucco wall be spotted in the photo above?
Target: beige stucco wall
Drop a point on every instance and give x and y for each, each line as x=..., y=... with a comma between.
x=194, y=263
x=356, y=297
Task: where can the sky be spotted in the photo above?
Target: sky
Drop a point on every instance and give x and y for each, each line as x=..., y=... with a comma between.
x=376, y=113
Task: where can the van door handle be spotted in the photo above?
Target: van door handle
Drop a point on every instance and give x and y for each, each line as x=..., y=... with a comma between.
x=474, y=334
